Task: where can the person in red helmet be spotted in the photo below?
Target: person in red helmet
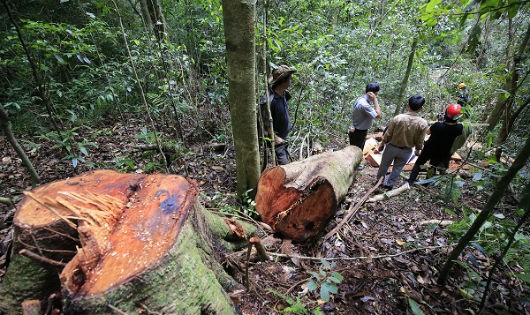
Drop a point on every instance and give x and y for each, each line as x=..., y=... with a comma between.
x=437, y=148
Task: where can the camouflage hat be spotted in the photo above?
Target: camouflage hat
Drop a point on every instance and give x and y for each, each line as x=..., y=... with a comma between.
x=281, y=72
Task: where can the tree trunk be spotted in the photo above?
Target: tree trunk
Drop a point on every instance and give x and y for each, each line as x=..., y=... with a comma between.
x=40, y=86
x=131, y=242
x=298, y=199
x=239, y=20
x=405, y=80
x=153, y=15
x=511, y=84
x=502, y=185
x=5, y=125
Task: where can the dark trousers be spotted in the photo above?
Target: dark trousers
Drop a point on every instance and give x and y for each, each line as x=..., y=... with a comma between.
x=441, y=164
x=282, y=155
x=358, y=138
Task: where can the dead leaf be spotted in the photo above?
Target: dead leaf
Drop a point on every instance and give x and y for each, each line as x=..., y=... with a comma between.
x=400, y=242
x=218, y=169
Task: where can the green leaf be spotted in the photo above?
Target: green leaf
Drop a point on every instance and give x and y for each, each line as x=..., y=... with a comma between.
x=84, y=151
x=432, y=5
x=74, y=162
x=324, y=293
x=499, y=216
x=524, y=277
x=331, y=287
x=336, y=277
x=59, y=58
x=415, y=308
x=314, y=274
x=312, y=285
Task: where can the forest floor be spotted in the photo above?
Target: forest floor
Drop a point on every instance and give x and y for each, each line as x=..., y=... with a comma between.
x=388, y=254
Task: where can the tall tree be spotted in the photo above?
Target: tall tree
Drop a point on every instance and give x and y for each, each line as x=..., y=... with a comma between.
x=239, y=25
x=405, y=80
x=153, y=15
x=5, y=126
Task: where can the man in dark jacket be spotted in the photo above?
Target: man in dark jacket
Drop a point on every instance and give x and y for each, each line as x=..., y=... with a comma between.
x=437, y=148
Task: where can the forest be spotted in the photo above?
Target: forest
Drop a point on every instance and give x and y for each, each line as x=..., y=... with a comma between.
x=108, y=107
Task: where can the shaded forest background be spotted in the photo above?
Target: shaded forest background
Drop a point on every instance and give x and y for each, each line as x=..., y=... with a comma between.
x=73, y=70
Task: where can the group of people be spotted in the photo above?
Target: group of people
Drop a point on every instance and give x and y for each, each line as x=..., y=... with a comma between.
x=403, y=139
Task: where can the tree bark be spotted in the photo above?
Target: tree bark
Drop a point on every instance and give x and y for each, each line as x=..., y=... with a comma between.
x=5, y=125
x=504, y=106
x=298, y=199
x=502, y=185
x=405, y=80
x=239, y=21
x=153, y=15
x=507, y=114
x=131, y=241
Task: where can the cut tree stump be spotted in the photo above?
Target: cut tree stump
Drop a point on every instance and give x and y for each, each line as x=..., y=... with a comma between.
x=298, y=199
x=132, y=243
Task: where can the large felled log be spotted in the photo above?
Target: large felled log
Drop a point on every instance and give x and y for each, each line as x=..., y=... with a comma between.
x=130, y=243
x=298, y=199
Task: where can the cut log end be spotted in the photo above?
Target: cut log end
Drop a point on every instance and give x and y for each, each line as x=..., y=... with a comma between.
x=124, y=223
x=297, y=200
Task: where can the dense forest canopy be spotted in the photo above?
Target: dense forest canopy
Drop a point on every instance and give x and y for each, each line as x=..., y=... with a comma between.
x=79, y=55
x=72, y=69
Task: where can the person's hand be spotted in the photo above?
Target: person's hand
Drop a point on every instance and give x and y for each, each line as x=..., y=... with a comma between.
x=371, y=96
x=278, y=140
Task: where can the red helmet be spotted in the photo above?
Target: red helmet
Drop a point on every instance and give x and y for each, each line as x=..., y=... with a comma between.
x=453, y=111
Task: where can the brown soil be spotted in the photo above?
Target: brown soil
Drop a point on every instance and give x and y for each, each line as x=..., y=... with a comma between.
x=388, y=257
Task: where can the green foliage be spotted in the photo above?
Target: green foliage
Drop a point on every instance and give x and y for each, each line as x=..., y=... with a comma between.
x=247, y=206
x=492, y=236
x=147, y=136
x=69, y=142
x=295, y=306
x=325, y=281
x=415, y=307
x=124, y=164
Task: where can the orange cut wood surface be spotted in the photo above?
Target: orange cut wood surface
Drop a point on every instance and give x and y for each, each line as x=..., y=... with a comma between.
x=101, y=182
x=146, y=231
x=124, y=223
x=273, y=196
x=295, y=214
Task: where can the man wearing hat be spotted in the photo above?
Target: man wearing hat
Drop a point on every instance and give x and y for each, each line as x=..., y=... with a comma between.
x=279, y=96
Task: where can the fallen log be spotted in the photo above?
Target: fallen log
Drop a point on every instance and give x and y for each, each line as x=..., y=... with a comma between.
x=298, y=199
x=131, y=242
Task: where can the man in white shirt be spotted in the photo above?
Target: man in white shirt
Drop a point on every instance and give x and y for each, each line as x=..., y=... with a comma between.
x=364, y=114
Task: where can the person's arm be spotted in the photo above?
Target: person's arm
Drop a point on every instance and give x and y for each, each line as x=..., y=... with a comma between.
x=278, y=140
x=373, y=98
x=420, y=139
x=387, y=136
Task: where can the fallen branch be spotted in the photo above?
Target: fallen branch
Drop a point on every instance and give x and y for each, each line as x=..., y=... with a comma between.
x=390, y=193
x=45, y=260
x=439, y=222
x=353, y=209
x=360, y=257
